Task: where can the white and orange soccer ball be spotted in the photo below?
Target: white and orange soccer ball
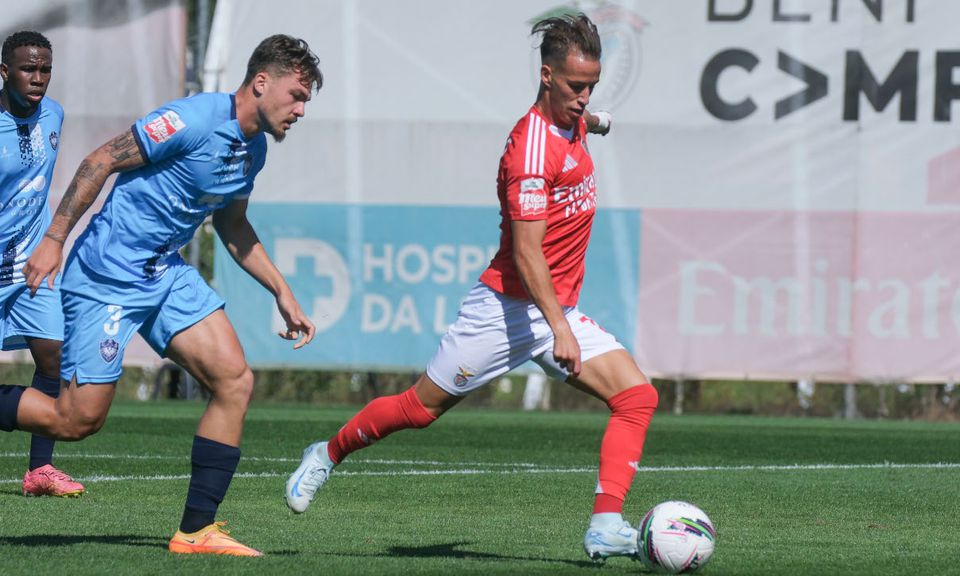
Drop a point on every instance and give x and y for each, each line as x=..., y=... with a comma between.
x=676, y=537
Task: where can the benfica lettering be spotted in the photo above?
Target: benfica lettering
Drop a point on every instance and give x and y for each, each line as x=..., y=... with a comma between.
x=785, y=11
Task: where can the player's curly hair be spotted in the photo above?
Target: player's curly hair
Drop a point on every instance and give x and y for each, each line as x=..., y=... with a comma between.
x=23, y=38
x=285, y=54
x=561, y=33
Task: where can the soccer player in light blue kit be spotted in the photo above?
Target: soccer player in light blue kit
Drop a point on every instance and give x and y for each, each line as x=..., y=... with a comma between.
x=29, y=140
x=181, y=162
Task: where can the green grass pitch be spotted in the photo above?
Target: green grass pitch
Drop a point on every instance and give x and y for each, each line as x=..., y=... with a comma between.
x=496, y=492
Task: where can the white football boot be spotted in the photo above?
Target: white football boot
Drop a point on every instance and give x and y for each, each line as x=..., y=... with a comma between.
x=605, y=539
x=313, y=472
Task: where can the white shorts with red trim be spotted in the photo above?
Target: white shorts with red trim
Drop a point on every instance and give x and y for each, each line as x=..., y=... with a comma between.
x=494, y=334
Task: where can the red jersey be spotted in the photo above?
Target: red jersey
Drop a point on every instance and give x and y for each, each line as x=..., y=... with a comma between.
x=545, y=174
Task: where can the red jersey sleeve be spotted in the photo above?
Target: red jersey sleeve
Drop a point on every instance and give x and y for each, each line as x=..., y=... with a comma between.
x=523, y=174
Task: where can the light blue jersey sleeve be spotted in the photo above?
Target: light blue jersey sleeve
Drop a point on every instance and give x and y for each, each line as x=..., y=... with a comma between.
x=197, y=160
x=174, y=128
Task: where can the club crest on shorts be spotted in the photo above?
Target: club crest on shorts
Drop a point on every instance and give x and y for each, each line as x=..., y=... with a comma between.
x=109, y=349
x=464, y=374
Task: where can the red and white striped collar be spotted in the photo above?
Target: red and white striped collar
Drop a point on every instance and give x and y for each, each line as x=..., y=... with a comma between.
x=571, y=134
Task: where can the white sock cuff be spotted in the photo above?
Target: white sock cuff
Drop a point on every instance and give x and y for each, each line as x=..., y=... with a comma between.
x=606, y=519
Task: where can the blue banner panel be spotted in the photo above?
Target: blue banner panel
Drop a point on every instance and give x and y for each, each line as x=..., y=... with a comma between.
x=382, y=283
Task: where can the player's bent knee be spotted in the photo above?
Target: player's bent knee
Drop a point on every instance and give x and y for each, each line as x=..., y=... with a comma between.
x=652, y=396
x=245, y=384
x=641, y=398
x=417, y=414
x=238, y=389
x=80, y=428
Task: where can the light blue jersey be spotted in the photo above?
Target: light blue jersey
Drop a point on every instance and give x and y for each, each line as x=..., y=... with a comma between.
x=125, y=273
x=198, y=161
x=28, y=151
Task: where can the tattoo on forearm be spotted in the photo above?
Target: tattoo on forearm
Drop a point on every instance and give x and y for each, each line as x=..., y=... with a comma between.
x=81, y=193
x=120, y=154
x=87, y=171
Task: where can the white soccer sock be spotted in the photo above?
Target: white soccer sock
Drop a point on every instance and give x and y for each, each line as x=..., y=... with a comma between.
x=606, y=519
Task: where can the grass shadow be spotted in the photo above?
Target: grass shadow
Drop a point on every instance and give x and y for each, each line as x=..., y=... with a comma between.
x=452, y=550
x=52, y=540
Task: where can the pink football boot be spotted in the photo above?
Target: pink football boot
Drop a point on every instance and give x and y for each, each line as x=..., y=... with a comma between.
x=48, y=481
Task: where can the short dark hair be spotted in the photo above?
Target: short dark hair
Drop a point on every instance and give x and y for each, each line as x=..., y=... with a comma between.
x=23, y=38
x=561, y=33
x=282, y=54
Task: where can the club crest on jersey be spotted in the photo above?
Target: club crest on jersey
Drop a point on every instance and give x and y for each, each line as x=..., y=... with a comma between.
x=54, y=140
x=533, y=196
x=464, y=374
x=163, y=127
x=109, y=349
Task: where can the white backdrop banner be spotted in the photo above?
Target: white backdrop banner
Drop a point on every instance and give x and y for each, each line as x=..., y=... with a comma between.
x=112, y=63
x=781, y=183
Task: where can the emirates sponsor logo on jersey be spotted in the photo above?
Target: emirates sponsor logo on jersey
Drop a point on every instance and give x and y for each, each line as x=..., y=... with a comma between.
x=533, y=197
x=163, y=127
x=577, y=199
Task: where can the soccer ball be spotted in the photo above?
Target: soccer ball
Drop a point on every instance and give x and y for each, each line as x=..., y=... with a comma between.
x=676, y=537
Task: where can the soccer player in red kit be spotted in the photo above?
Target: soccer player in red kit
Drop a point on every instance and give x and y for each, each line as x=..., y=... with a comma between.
x=525, y=305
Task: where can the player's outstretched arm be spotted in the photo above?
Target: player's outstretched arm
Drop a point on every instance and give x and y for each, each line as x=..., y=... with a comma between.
x=599, y=122
x=117, y=155
x=535, y=275
x=241, y=240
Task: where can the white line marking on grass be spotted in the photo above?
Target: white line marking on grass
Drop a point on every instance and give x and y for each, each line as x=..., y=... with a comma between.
x=452, y=472
x=801, y=467
x=186, y=458
x=520, y=470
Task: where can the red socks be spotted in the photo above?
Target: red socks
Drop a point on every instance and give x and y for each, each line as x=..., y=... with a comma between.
x=620, y=451
x=377, y=420
x=622, y=445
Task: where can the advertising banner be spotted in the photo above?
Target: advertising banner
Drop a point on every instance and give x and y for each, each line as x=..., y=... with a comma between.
x=780, y=185
x=112, y=63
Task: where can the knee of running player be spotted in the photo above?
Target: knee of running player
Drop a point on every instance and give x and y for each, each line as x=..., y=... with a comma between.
x=77, y=423
x=235, y=388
